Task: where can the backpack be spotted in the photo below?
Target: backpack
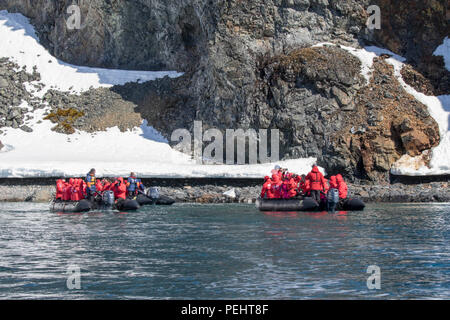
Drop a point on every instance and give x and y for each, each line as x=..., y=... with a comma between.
x=333, y=195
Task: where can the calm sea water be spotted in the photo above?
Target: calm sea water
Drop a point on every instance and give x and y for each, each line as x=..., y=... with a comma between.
x=225, y=252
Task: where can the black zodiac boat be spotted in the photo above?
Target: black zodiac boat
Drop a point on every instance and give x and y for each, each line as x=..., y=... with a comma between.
x=106, y=202
x=152, y=197
x=305, y=204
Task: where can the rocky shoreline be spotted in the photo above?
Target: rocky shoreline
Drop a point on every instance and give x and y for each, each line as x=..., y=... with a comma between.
x=202, y=190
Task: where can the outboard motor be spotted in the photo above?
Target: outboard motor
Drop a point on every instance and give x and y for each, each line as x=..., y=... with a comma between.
x=153, y=193
x=108, y=198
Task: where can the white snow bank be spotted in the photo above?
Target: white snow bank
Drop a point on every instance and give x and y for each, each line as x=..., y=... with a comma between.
x=20, y=43
x=45, y=153
x=444, y=50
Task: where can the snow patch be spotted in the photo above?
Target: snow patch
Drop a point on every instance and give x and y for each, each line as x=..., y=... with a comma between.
x=444, y=50
x=21, y=44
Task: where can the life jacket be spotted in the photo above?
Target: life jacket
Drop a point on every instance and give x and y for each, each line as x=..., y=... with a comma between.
x=342, y=187
x=90, y=181
x=60, y=189
x=120, y=189
x=316, y=179
x=133, y=184
x=333, y=195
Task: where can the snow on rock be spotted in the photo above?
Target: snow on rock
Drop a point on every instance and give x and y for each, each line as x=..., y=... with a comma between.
x=444, y=50
x=21, y=44
x=439, y=108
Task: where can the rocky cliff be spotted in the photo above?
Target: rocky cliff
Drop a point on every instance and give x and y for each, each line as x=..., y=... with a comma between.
x=250, y=64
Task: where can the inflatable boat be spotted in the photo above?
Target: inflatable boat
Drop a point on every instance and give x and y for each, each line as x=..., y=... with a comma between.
x=144, y=200
x=71, y=206
x=105, y=202
x=305, y=204
x=152, y=197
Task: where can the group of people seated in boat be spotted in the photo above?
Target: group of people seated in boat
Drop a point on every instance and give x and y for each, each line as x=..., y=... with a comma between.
x=286, y=185
x=77, y=189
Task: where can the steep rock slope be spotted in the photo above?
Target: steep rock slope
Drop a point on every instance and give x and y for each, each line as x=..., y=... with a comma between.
x=249, y=64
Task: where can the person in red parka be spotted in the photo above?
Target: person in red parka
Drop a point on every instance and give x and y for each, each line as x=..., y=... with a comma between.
x=292, y=186
x=76, y=194
x=305, y=186
x=333, y=182
x=120, y=189
x=317, y=182
x=60, y=189
x=99, y=186
x=342, y=187
x=267, y=189
x=276, y=185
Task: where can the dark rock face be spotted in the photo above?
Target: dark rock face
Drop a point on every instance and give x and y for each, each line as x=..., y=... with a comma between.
x=140, y=34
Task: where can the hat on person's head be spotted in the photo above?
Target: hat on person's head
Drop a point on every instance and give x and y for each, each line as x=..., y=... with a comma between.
x=277, y=167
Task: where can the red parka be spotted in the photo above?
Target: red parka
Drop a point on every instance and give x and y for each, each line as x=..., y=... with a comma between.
x=120, y=189
x=333, y=182
x=342, y=187
x=60, y=189
x=316, y=179
x=267, y=189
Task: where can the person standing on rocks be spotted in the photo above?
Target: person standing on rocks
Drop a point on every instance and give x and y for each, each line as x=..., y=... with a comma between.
x=317, y=182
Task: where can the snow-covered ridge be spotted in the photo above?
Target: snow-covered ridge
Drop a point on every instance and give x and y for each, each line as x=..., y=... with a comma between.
x=45, y=153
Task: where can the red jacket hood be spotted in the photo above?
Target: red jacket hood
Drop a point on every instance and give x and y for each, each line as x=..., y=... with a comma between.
x=315, y=169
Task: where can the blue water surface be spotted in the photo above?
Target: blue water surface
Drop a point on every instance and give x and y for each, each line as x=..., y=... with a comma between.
x=228, y=251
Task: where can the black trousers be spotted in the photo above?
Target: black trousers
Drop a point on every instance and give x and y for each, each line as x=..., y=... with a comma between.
x=315, y=194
